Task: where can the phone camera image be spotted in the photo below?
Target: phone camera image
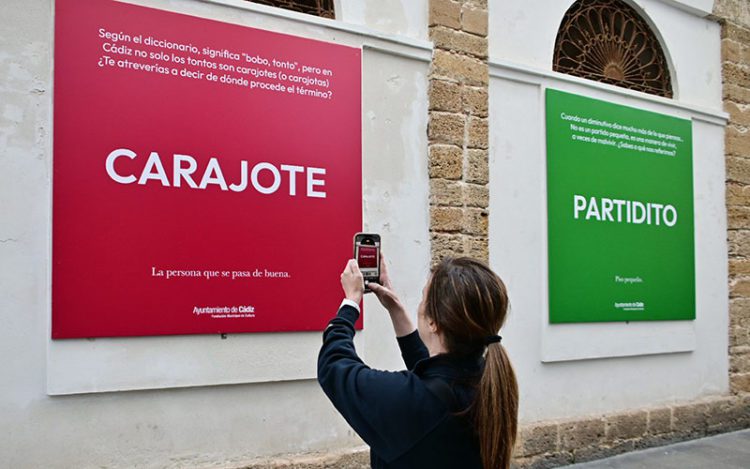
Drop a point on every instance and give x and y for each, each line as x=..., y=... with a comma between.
x=367, y=253
x=368, y=257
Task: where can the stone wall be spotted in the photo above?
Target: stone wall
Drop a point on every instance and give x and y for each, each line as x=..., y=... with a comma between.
x=458, y=129
x=734, y=17
x=551, y=444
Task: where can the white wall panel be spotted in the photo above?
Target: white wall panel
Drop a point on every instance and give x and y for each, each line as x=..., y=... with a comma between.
x=232, y=400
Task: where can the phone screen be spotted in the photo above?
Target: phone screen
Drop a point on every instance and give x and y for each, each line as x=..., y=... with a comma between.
x=368, y=257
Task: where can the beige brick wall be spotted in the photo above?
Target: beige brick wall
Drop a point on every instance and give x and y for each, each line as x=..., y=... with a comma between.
x=458, y=129
x=549, y=444
x=734, y=17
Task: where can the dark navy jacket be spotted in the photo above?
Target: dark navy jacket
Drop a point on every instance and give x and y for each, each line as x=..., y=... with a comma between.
x=404, y=418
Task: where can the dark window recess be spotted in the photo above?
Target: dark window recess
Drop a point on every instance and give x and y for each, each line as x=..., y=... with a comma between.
x=322, y=8
x=608, y=41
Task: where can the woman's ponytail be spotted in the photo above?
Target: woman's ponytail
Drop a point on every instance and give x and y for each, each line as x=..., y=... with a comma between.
x=469, y=302
x=496, y=409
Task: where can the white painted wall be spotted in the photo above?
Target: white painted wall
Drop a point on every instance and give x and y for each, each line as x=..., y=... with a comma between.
x=571, y=370
x=401, y=17
x=198, y=402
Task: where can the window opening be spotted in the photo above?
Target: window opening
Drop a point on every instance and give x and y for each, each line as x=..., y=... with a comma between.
x=609, y=42
x=323, y=8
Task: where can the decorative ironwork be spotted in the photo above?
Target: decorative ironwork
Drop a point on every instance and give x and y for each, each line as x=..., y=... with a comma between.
x=322, y=8
x=607, y=41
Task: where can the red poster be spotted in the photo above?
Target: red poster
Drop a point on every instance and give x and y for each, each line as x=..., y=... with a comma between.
x=207, y=176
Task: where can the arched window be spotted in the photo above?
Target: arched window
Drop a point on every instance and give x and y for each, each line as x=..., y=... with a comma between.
x=608, y=41
x=322, y=8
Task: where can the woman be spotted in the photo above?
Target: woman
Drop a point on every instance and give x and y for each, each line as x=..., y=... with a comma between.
x=457, y=405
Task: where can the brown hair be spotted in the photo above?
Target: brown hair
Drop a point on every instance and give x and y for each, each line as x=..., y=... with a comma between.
x=468, y=303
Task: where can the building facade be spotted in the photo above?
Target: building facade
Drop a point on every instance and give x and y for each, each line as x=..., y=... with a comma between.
x=454, y=162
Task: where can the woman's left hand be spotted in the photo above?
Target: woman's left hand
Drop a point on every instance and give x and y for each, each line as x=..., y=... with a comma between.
x=352, y=281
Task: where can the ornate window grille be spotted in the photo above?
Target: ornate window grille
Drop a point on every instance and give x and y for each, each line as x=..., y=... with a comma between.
x=608, y=41
x=322, y=8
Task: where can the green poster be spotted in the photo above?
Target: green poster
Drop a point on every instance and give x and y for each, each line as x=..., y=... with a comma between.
x=619, y=211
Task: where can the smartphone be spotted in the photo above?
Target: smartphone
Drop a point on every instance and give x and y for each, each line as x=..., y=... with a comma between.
x=367, y=253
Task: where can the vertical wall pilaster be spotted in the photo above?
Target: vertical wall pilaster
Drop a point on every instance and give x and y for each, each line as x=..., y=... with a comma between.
x=734, y=17
x=458, y=129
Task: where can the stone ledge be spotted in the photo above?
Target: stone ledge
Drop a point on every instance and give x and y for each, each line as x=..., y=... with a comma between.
x=357, y=458
x=550, y=444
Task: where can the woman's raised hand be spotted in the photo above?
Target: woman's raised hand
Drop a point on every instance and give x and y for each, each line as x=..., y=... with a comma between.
x=402, y=325
x=352, y=281
x=384, y=290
